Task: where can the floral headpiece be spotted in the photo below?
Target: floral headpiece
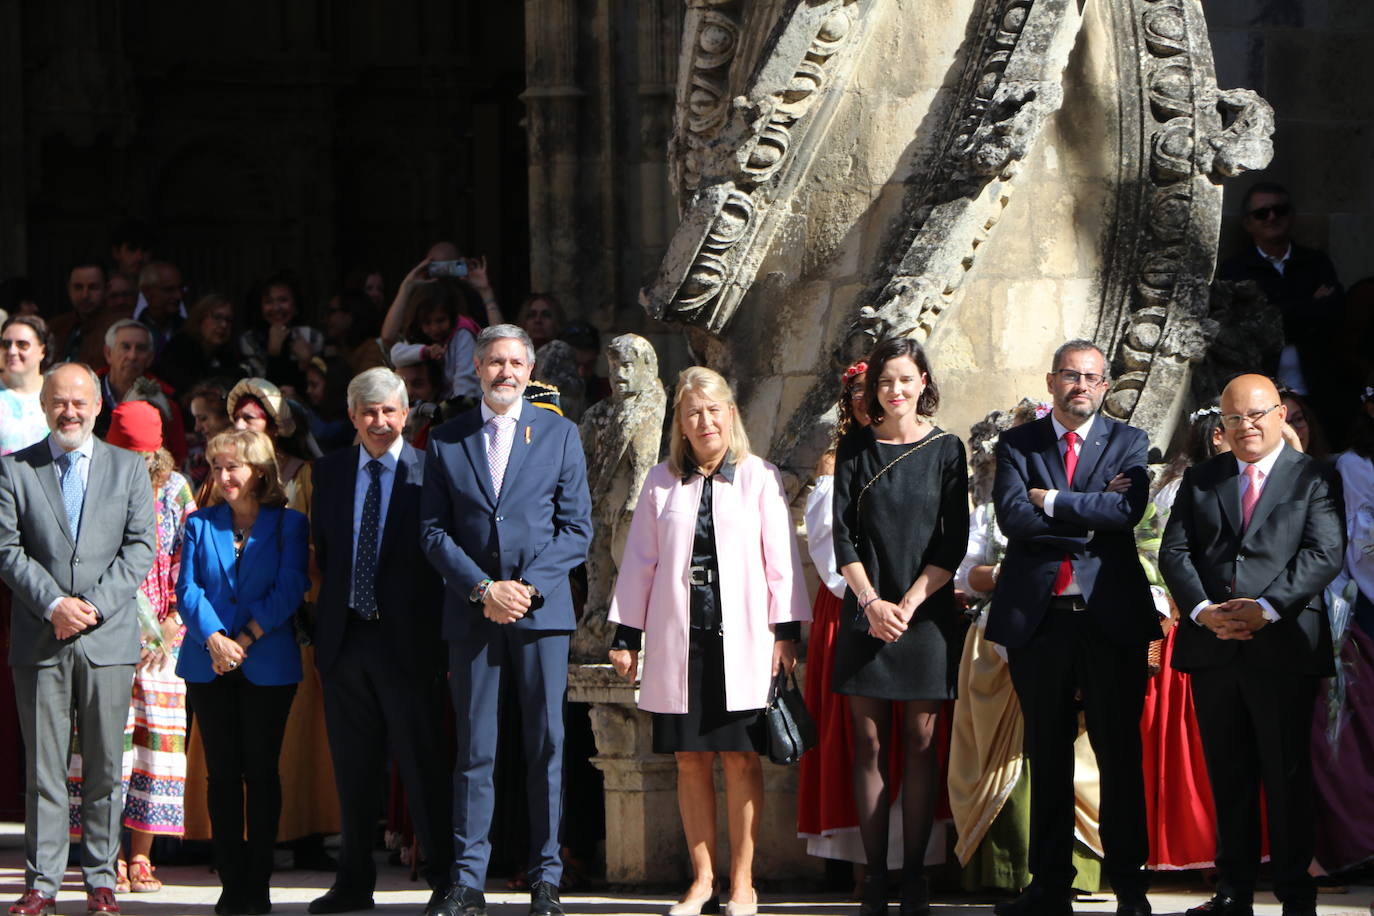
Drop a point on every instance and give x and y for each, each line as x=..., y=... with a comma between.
x=1042, y=410
x=858, y=368
x=1368, y=394
x=1203, y=413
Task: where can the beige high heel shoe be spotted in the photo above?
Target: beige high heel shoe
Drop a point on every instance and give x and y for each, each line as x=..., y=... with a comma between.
x=708, y=904
x=733, y=908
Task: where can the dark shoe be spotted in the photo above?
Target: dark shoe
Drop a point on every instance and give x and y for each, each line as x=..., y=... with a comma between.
x=101, y=900
x=873, y=897
x=544, y=899
x=1222, y=905
x=260, y=907
x=461, y=901
x=915, y=896
x=436, y=897
x=228, y=904
x=1133, y=906
x=338, y=900
x=1037, y=902
x=33, y=903
x=1300, y=909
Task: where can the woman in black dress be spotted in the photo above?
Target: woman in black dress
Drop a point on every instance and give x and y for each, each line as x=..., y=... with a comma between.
x=901, y=525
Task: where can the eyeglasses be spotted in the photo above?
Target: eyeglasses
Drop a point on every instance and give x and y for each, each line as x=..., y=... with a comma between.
x=1278, y=211
x=23, y=345
x=858, y=393
x=1234, y=420
x=1073, y=377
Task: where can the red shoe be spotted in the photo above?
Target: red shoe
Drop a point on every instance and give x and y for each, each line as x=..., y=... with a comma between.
x=33, y=903
x=101, y=900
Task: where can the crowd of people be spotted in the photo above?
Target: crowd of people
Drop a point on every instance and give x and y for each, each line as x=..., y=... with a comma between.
x=321, y=542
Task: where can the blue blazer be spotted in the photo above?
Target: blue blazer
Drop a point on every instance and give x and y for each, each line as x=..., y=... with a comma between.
x=1095, y=528
x=266, y=584
x=539, y=530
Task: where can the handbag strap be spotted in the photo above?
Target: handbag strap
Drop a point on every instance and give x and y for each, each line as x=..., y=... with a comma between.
x=859, y=501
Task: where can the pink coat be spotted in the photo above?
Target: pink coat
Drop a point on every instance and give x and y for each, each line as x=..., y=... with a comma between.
x=761, y=580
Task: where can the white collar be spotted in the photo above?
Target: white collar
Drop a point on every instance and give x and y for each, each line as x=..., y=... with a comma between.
x=389, y=458
x=513, y=413
x=86, y=448
x=1060, y=429
x=1279, y=260
x=1265, y=464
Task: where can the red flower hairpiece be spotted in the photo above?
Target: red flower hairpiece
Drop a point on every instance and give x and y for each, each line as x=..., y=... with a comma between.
x=858, y=368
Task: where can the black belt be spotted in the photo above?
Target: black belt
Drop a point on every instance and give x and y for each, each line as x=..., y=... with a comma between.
x=700, y=575
x=1068, y=603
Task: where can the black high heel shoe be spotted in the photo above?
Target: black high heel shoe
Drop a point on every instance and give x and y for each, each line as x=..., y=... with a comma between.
x=915, y=896
x=874, y=899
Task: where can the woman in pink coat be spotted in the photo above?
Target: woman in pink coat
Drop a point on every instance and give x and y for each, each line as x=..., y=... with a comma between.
x=711, y=584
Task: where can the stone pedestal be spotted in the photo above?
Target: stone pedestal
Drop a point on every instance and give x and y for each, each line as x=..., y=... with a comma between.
x=644, y=842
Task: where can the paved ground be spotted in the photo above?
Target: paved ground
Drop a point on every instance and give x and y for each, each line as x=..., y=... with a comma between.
x=192, y=891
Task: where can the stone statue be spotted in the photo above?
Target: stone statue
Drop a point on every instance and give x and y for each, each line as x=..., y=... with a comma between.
x=621, y=436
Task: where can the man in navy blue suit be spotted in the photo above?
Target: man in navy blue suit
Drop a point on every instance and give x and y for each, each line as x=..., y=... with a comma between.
x=1073, y=607
x=377, y=641
x=506, y=516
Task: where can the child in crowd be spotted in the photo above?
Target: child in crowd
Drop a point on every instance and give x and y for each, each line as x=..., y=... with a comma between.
x=441, y=331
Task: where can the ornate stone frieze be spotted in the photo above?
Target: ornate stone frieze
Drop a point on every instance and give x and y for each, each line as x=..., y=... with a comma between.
x=1181, y=137
x=738, y=160
x=1010, y=87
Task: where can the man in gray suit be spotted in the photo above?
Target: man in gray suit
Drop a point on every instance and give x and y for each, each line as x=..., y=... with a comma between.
x=76, y=541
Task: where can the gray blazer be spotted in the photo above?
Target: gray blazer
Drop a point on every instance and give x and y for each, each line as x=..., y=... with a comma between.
x=108, y=562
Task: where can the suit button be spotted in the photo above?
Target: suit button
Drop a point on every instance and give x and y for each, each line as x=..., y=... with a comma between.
x=500, y=518
x=1227, y=589
x=76, y=561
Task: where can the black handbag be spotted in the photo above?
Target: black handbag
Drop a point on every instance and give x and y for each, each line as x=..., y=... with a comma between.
x=791, y=730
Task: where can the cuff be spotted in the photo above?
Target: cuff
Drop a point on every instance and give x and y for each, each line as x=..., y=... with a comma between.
x=1198, y=610
x=47, y=614
x=791, y=629
x=1270, y=614
x=1049, y=502
x=627, y=638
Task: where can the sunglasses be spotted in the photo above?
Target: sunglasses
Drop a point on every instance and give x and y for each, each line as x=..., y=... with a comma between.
x=1278, y=211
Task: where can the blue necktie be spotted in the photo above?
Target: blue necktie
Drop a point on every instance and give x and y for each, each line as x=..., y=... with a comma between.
x=365, y=567
x=73, y=493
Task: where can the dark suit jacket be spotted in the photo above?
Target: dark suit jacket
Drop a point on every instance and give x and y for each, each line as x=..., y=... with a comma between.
x=409, y=591
x=1094, y=527
x=539, y=529
x=1290, y=552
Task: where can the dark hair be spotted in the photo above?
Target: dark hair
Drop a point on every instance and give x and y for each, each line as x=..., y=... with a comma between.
x=1260, y=187
x=356, y=278
x=336, y=377
x=885, y=352
x=132, y=232
x=80, y=264
x=213, y=391
x=1317, y=445
x=206, y=304
x=40, y=330
x=365, y=324
x=845, y=408
x=279, y=278
x=1077, y=345
x=432, y=298
x=559, y=316
x=1362, y=433
x=582, y=336
x=1192, y=442
x=15, y=291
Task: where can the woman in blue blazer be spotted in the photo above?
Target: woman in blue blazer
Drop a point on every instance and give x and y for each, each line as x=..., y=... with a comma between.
x=243, y=574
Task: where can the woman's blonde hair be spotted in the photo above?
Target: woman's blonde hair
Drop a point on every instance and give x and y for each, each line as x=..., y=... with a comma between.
x=254, y=449
x=708, y=383
x=160, y=466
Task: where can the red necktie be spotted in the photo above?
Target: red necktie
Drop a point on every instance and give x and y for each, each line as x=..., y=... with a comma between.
x=1065, y=574
x=1252, y=494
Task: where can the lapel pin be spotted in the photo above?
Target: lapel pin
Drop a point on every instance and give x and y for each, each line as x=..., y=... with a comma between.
x=527, y=435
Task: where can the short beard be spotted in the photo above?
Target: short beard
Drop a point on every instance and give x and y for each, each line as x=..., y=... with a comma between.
x=1073, y=410
x=498, y=395
x=69, y=441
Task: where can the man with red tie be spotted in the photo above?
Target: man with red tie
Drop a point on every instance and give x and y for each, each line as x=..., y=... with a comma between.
x=1073, y=608
x=1254, y=536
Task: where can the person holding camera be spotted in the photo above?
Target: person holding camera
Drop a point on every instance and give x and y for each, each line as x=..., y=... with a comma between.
x=711, y=586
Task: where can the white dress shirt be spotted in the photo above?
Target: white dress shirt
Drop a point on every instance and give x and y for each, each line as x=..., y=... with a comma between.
x=820, y=528
x=1060, y=430
x=83, y=470
x=386, y=480
x=488, y=413
x=1266, y=467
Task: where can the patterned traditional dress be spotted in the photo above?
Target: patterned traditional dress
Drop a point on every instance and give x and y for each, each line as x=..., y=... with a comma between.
x=155, y=735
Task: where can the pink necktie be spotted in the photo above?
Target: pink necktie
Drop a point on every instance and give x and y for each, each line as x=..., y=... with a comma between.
x=1254, y=481
x=499, y=430
x=1065, y=574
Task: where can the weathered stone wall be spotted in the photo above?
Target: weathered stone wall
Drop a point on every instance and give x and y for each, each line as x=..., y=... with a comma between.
x=1312, y=61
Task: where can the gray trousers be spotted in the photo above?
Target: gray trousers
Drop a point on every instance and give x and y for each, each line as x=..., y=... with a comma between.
x=47, y=698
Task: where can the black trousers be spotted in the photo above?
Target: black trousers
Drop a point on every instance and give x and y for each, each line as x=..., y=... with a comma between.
x=1068, y=659
x=241, y=725
x=1256, y=728
x=372, y=707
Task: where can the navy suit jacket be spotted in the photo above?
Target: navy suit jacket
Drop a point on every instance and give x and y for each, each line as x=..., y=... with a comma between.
x=539, y=530
x=408, y=589
x=1291, y=550
x=215, y=592
x=1094, y=527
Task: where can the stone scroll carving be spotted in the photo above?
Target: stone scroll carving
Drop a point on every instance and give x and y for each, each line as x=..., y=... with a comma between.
x=621, y=437
x=1183, y=137
x=1010, y=87
x=737, y=160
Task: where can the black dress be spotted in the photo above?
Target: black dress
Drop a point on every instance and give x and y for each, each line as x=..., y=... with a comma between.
x=913, y=515
x=706, y=725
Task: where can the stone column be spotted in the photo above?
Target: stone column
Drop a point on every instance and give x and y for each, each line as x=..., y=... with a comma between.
x=14, y=250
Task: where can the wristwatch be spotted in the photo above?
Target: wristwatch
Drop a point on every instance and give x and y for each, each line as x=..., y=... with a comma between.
x=479, y=591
